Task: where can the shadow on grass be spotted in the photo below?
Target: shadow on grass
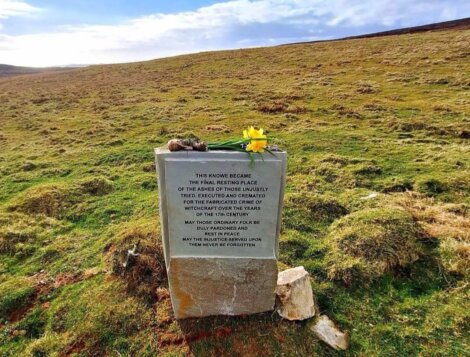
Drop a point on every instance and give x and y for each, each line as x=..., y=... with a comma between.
x=264, y=334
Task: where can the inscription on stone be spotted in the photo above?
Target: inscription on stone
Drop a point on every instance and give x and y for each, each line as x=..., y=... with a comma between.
x=222, y=208
x=220, y=221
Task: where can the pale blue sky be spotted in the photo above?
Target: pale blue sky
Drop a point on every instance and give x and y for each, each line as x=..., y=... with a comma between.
x=61, y=32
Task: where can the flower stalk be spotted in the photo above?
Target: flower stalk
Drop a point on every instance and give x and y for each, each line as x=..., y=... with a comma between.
x=254, y=141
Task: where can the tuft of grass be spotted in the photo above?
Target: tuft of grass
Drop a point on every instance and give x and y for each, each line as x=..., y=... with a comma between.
x=14, y=294
x=367, y=87
x=369, y=243
x=455, y=256
x=15, y=233
x=439, y=220
x=137, y=257
x=431, y=186
x=57, y=200
x=96, y=186
x=448, y=223
x=49, y=200
x=21, y=234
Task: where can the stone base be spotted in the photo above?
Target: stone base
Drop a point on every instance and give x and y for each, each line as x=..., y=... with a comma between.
x=221, y=286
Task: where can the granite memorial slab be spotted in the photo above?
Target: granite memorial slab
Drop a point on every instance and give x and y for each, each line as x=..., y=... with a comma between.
x=220, y=219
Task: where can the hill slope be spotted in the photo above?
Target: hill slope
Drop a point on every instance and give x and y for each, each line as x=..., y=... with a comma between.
x=460, y=24
x=10, y=71
x=363, y=121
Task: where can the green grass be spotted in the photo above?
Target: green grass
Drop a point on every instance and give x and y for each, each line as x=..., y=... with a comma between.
x=376, y=116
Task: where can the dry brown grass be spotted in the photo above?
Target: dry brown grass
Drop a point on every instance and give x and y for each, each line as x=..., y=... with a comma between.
x=18, y=231
x=218, y=127
x=280, y=106
x=455, y=256
x=48, y=200
x=449, y=223
x=442, y=220
x=137, y=257
x=57, y=200
x=367, y=87
x=371, y=242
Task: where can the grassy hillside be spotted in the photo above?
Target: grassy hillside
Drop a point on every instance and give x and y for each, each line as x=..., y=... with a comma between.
x=10, y=71
x=376, y=207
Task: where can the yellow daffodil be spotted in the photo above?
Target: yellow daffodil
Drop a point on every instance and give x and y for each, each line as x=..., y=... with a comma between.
x=255, y=135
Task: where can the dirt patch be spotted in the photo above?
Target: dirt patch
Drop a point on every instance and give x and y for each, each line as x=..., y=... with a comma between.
x=43, y=285
x=76, y=347
x=219, y=333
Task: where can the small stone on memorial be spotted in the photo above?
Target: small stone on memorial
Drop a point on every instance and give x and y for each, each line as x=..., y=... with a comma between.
x=326, y=330
x=295, y=295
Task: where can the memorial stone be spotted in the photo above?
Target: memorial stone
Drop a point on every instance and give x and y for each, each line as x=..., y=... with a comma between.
x=220, y=219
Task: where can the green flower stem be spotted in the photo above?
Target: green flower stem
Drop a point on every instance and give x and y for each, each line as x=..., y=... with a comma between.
x=232, y=143
x=236, y=145
x=224, y=147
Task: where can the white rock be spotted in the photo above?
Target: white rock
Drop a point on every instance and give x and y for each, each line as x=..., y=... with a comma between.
x=326, y=330
x=372, y=195
x=295, y=294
